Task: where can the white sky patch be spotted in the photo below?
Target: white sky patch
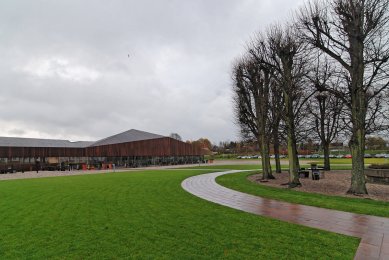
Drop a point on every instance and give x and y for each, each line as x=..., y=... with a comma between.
x=166, y=57
x=60, y=68
x=20, y=129
x=157, y=66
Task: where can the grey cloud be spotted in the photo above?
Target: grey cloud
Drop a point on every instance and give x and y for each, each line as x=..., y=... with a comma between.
x=65, y=70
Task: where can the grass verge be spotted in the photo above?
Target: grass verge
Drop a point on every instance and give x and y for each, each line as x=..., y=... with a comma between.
x=348, y=161
x=239, y=181
x=144, y=215
x=257, y=167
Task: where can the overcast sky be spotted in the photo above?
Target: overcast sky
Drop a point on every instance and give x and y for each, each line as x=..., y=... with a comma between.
x=65, y=71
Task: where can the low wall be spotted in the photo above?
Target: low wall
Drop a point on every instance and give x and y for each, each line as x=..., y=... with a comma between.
x=377, y=176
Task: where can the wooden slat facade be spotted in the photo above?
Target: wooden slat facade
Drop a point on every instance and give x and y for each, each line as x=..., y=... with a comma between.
x=154, y=147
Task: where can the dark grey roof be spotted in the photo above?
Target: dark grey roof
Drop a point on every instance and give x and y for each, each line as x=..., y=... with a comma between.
x=35, y=142
x=127, y=136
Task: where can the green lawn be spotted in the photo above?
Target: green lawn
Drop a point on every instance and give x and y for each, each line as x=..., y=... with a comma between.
x=228, y=167
x=321, y=161
x=239, y=182
x=347, y=161
x=144, y=215
x=257, y=167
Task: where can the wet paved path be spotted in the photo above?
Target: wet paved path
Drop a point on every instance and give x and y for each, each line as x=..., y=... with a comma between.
x=373, y=231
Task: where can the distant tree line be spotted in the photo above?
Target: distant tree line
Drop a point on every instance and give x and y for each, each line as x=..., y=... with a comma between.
x=325, y=74
x=202, y=143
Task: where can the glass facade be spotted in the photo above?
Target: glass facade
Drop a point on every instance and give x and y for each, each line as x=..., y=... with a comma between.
x=16, y=164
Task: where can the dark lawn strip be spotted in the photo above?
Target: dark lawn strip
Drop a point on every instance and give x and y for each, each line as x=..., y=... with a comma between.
x=258, y=167
x=239, y=181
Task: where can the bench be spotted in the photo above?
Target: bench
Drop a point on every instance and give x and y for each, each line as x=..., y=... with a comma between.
x=303, y=173
x=316, y=171
x=315, y=174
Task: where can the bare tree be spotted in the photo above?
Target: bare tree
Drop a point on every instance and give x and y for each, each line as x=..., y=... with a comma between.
x=175, y=136
x=286, y=55
x=276, y=113
x=375, y=143
x=325, y=109
x=354, y=34
x=259, y=52
x=251, y=96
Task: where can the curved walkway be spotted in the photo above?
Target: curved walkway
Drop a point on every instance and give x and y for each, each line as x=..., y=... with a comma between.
x=373, y=231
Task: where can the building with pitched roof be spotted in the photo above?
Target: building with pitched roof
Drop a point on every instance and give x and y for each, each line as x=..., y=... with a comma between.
x=132, y=148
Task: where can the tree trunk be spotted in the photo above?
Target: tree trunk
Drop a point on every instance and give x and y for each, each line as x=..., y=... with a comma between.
x=326, y=150
x=324, y=143
x=266, y=170
x=271, y=176
x=276, y=145
x=357, y=145
x=294, y=180
x=358, y=118
x=277, y=159
x=358, y=183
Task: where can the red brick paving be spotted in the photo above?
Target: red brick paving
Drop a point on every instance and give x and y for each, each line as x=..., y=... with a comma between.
x=373, y=231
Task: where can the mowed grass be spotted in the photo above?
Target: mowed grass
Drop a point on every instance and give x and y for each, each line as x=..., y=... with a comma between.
x=347, y=161
x=319, y=160
x=144, y=215
x=257, y=167
x=239, y=181
x=228, y=167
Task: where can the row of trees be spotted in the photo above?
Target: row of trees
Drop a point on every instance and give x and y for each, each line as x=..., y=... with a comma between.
x=202, y=143
x=326, y=71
